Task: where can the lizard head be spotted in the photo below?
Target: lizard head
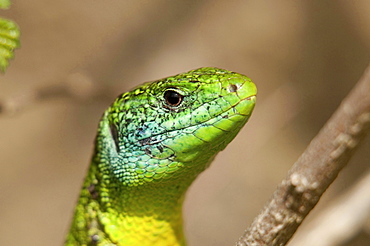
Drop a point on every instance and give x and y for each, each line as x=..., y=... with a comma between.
x=172, y=128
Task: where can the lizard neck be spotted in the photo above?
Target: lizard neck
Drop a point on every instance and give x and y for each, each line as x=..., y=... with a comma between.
x=143, y=215
x=149, y=214
x=145, y=218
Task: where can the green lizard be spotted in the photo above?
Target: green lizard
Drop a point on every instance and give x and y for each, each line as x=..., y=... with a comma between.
x=152, y=142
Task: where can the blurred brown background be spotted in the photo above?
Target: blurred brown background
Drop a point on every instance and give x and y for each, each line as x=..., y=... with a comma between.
x=304, y=57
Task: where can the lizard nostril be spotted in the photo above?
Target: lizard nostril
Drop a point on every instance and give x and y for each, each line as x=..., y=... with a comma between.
x=232, y=88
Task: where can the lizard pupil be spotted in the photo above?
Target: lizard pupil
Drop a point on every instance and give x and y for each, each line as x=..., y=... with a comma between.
x=173, y=98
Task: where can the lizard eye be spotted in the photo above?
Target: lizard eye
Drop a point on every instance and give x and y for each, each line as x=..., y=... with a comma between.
x=173, y=98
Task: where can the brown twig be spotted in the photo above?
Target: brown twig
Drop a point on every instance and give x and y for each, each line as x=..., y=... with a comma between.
x=77, y=86
x=345, y=217
x=314, y=171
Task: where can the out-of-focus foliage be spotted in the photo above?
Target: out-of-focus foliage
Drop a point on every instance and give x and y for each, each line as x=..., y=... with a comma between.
x=4, y=4
x=9, y=38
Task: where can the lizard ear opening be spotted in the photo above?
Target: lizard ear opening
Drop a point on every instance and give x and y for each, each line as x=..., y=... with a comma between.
x=114, y=133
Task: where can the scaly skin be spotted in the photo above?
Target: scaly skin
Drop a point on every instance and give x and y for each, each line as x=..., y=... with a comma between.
x=151, y=144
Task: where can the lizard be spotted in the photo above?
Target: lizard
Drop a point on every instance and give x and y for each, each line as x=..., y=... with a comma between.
x=152, y=142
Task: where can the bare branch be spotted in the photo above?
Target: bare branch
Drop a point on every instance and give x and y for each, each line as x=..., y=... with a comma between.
x=314, y=171
x=339, y=221
x=77, y=86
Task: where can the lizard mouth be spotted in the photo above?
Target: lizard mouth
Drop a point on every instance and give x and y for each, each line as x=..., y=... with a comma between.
x=253, y=97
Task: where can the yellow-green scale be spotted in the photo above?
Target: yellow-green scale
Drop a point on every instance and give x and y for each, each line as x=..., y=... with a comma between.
x=137, y=215
x=151, y=144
